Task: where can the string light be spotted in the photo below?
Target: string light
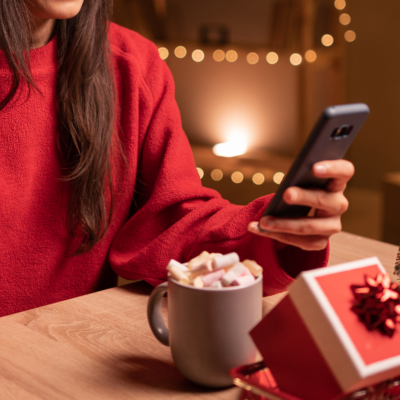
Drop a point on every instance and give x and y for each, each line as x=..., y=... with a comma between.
x=340, y=4
x=258, y=178
x=237, y=177
x=180, y=52
x=344, y=19
x=350, y=36
x=310, y=56
x=252, y=58
x=272, y=58
x=327, y=40
x=201, y=172
x=198, y=55
x=295, y=59
x=231, y=56
x=278, y=177
x=163, y=52
x=217, y=174
x=219, y=55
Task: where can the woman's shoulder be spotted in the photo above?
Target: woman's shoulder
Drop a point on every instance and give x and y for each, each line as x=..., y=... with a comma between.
x=131, y=45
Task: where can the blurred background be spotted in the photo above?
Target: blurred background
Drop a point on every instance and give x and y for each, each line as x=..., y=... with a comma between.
x=252, y=77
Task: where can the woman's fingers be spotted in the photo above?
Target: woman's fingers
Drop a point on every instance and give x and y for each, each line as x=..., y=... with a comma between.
x=332, y=203
x=339, y=172
x=309, y=242
x=302, y=226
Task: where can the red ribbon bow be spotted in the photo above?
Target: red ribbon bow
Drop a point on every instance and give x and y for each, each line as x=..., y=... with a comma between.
x=378, y=303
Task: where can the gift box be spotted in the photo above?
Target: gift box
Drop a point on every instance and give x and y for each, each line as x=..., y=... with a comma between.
x=335, y=332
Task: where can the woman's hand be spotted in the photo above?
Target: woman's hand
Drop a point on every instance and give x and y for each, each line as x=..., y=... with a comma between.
x=312, y=233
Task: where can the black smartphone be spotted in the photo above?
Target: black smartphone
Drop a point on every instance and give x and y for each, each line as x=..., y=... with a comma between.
x=329, y=140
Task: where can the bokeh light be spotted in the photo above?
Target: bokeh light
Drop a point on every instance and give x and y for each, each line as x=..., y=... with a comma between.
x=278, y=177
x=201, y=172
x=344, y=19
x=340, y=4
x=180, y=52
x=295, y=59
x=272, y=58
x=217, y=174
x=327, y=40
x=350, y=36
x=237, y=177
x=310, y=56
x=163, y=52
x=219, y=55
x=198, y=55
x=231, y=56
x=252, y=58
x=258, y=178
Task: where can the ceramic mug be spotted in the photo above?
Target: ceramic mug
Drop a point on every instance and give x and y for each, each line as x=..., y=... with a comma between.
x=208, y=328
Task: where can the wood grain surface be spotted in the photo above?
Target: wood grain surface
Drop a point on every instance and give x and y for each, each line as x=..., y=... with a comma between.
x=100, y=346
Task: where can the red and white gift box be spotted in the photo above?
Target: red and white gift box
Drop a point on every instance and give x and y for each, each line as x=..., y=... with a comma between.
x=316, y=347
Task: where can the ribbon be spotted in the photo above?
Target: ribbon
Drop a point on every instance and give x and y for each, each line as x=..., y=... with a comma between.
x=378, y=303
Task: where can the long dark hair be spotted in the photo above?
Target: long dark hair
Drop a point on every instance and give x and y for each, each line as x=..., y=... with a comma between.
x=86, y=107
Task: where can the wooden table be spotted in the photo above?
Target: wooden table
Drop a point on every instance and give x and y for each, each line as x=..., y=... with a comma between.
x=100, y=346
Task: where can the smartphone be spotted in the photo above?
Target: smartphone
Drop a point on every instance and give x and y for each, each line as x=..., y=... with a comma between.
x=329, y=140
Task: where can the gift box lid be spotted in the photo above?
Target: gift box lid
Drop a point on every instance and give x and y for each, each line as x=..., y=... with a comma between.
x=356, y=356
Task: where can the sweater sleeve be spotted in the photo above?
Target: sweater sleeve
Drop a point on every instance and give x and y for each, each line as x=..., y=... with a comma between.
x=174, y=216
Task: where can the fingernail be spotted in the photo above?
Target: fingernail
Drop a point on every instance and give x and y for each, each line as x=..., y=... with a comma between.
x=321, y=169
x=267, y=222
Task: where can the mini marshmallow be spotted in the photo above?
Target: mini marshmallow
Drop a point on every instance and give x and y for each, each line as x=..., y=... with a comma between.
x=200, y=259
x=202, y=269
x=233, y=273
x=254, y=268
x=243, y=280
x=178, y=274
x=216, y=284
x=177, y=264
x=225, y=261
x=198, y=282
x=209, y=279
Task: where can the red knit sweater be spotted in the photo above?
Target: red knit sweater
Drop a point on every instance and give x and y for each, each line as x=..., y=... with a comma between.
x=161, y=209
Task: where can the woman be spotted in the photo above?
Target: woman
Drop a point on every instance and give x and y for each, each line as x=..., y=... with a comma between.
x=97, y=174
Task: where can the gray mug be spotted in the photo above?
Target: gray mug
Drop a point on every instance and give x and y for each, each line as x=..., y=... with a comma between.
x=208, y=328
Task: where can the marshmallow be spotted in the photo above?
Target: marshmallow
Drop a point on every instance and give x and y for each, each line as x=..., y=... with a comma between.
x=254, y=268
x=217, y=285
x=176, y=273
x=237, y=270
x=202, y=269
x=198, y=282
x=243, y=280
x=209, y=279
x=177, y=264
x=200, y=259
x=225, y=261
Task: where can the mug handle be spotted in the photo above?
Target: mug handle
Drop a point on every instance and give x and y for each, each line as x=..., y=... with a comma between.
x=154, y=316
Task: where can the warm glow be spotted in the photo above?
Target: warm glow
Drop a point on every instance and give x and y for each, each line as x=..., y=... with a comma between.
x=180, y=52
x=219, y=55
x=201, y=172
x=258, y=178
x=295, y=59
x=163, y=52
x=237, y=177
x=272, y=58
x=327, y=40
x=310, y=56
x=231, y=56
x=340, y=4
x=278, y=177
x=350, y=36
x=344, y=19
x=252, y=58
x=236, y=144
x=198, y=55
x=217, y=174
